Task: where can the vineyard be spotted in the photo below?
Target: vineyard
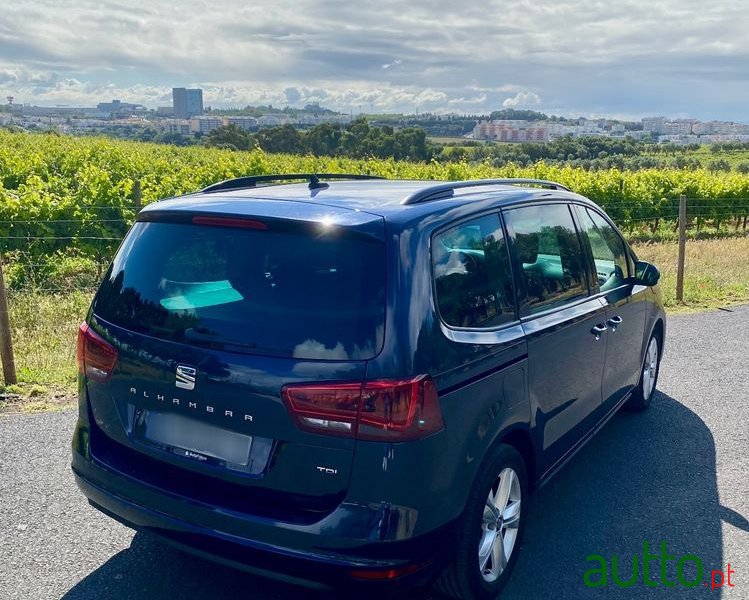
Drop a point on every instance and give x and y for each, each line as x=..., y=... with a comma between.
x=66, y=202
x=59, y=192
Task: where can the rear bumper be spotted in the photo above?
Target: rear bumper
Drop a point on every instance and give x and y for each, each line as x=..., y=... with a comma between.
x=319, y=554
x=316, y=570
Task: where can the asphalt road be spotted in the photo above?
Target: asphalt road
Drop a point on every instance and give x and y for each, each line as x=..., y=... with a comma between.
x=678, y=473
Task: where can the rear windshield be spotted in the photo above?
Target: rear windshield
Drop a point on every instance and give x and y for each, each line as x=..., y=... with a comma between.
x=288, y=293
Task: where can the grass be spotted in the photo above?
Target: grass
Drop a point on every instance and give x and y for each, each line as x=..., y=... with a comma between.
x=716, y=272
x=44, y=329
x=45, y=326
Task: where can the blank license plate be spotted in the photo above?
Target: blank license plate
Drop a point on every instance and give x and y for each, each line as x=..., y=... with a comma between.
x=190, y=435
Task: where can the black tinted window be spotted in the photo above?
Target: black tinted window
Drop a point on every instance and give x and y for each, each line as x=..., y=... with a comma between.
x=472, y=274
x=609, y=255
x=277, y=292
x=548, y=256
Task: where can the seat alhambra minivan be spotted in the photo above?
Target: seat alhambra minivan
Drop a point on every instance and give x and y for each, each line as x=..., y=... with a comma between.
x=354, y=381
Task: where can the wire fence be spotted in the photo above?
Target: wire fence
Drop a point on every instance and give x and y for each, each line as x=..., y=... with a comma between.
x=51, y=267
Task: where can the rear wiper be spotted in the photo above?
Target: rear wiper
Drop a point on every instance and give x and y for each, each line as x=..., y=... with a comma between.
x=211, y=339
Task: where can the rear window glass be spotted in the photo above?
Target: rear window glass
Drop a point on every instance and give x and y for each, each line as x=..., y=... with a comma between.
x=289, y=293
x=472, y=274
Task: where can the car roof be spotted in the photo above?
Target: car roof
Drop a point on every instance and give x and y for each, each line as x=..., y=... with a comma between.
x=381, y=197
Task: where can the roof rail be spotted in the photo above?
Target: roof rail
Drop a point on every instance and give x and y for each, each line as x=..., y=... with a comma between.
x=252, y=181
x=447, y=190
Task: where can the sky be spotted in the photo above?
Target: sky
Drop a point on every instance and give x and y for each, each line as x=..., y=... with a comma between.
x=615, y=58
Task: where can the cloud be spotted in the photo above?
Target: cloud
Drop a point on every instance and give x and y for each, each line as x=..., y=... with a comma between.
x=522, y=100
x=584, y=56
x=318, y=350
x=395, y=63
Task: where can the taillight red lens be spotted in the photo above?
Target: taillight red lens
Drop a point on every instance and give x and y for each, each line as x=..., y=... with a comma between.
x=96, y=357
x=324, y=408
x=399, y=410
x=383, y=410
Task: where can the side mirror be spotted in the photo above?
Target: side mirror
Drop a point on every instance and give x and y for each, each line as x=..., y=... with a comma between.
x=646, y=273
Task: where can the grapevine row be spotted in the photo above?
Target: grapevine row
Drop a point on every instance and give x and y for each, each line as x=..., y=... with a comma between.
x=60, y=192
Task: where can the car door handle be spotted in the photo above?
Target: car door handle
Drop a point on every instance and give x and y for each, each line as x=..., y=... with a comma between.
x=598, y=330
x=614, y=322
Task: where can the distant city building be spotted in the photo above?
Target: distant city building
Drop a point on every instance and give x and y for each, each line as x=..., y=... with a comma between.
x=654, y=124
x=311, y=119
x=243, y=122
x=56, y=111
x=674, y=131
x=590, y=127
x=186, y=118
x=511, y=131
x=273, y=120
x=181, y=127
x=115, y=108
x=691, y=131
x=557, y=130
x=720, y=128
x=506, y=130
x=205, y=124
x=187, y=102
x=678, y=127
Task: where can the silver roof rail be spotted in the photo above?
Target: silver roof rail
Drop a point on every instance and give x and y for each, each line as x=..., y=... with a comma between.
x=315, y=180
x=447, y=190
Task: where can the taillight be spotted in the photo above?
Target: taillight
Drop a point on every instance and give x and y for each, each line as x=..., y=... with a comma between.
x=399, y=410
x=324, y=408
x=382, y=410
x=96, y=357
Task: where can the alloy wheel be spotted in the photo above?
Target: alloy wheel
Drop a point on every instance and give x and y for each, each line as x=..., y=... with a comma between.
x=499, y=525
x=650, y=369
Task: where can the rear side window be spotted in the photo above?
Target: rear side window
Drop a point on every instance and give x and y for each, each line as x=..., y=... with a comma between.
x=548, y=256
x=609, y=254
x=288, y=293
x=472, y=274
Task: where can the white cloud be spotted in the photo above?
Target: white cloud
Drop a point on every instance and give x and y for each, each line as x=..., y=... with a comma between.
x=522, y=100
x=395, y=63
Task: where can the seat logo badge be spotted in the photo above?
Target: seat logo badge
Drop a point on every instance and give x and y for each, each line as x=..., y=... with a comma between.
x=185, y=377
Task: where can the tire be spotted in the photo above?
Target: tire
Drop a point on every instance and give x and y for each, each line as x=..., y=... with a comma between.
x=651, y=366
x=464, y=578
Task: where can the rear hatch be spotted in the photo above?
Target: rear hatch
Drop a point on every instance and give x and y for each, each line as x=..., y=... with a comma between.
x=206, y=316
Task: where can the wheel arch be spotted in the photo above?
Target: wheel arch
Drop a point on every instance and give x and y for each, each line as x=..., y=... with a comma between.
x=659, y=330
x=521, y=440
x=656, y=326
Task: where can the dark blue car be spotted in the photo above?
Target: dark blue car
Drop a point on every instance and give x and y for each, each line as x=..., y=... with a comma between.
x=354, y=381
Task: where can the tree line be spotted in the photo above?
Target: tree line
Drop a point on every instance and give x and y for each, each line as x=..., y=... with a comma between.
x=597, y=153
x=357, y=139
